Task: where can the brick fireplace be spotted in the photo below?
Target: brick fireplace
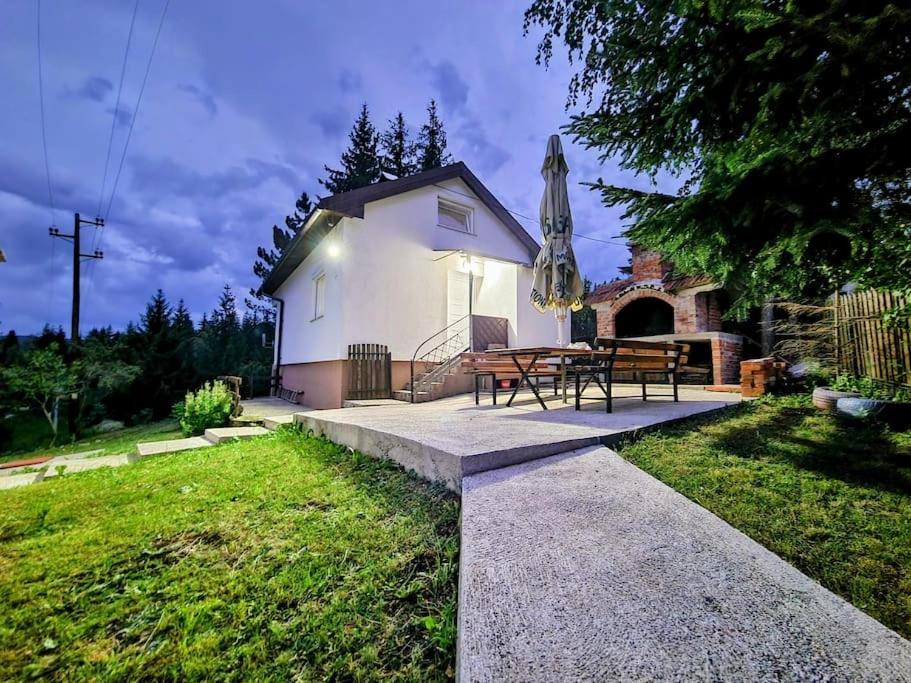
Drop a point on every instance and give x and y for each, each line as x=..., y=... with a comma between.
x=656, y=304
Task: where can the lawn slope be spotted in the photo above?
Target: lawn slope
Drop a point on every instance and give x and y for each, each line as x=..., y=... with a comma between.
x=280, y=558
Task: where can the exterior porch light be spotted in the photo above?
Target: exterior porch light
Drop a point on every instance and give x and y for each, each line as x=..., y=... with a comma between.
x=333, y=249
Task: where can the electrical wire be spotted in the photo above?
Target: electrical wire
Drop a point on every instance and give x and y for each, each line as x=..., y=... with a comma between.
x=126, y=143
x=536, y=222
x=142, y=88
x=123, y=70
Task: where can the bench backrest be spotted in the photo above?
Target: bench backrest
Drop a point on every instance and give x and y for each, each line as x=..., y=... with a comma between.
x=633, y=354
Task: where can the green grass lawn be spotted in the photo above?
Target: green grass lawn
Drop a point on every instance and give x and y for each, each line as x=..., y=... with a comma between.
x=111, y=443
x=280, y=558
x=831, y=498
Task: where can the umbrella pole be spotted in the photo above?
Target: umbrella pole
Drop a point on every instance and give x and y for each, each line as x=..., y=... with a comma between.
x=560, y=314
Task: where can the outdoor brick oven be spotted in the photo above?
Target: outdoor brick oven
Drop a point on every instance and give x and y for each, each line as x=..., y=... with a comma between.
x=655, y=304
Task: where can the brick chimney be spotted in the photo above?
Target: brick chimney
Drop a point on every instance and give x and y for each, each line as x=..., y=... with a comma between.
x=648, y=265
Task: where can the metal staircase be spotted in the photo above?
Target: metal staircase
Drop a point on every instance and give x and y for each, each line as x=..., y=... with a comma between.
x=436, y=359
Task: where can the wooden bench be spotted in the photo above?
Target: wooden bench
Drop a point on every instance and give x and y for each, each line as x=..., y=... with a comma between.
x=500, y=367
x=614, y=359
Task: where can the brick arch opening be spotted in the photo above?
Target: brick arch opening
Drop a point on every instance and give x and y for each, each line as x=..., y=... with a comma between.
x=644, y=317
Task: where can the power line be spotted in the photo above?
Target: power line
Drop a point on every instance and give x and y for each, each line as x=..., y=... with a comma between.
x=47, y=166
x=123, y=70
x=126, y=143
x=142, y=88
x=536, y=222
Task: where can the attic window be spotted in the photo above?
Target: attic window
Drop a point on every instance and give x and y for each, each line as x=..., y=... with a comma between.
x=454, y=216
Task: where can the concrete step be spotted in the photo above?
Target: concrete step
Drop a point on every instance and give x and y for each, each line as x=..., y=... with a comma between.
x=276, y=421
x=422, y=396
x=59, y=466
x=221, y=434
x=171, y=446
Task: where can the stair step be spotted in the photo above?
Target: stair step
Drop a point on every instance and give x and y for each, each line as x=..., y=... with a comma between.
x=220, y=434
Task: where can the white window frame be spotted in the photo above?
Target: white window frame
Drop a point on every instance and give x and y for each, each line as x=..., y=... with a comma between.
x=455, y=207
x=319, y=302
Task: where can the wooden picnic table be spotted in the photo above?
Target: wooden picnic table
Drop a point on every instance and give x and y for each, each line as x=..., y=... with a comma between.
x=532, y=354
x=609, y=356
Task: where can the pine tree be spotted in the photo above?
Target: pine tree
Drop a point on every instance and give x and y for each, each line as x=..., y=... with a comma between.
x=157, y=318
x=360, y=162
x=784, y=119
x=155, y=344
x=267, y=258
x=431, y=147
x=182, y=324
x=398, y=152
x=224, y=318
x=181, y=320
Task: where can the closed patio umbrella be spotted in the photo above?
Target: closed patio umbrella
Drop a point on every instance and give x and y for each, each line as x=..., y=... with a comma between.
x=557, y=282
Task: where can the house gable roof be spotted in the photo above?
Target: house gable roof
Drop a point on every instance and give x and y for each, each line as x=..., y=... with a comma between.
x=351, y=204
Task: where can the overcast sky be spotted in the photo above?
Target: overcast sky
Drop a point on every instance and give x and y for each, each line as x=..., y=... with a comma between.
x=245, y=103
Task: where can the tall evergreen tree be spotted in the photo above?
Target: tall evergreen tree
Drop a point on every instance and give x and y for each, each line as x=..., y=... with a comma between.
x=182, y=324
x=157, y=316
x=431, y=146
x=267, y=258
x=181, y=321
x=155, y=345
x=398, y=152
x=785, y=118
x=360, y=162
x=219, y=345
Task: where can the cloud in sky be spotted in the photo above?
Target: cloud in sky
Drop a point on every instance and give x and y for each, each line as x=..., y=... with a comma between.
x=93, y=88
x=452, y=88
x=205, y=99
x=238, y=117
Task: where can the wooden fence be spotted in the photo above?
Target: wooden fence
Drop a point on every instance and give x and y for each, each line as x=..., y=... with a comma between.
x=369, y=371
x=864, y=345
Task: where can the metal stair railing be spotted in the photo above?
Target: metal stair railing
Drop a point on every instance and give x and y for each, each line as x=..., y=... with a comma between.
x=444, y=347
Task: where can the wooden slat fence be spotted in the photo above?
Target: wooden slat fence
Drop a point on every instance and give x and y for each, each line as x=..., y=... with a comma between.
x=866, y=346
x=369, y=371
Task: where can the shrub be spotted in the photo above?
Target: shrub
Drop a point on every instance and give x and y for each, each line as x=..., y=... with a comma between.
x=210, y=406
x=870, y=388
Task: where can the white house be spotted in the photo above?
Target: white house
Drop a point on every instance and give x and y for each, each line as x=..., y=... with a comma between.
x=397, y=263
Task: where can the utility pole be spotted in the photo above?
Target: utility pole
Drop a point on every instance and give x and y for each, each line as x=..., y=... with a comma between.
x=77, y=262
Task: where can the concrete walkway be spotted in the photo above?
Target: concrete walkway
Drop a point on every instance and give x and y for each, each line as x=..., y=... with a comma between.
x=582, y=567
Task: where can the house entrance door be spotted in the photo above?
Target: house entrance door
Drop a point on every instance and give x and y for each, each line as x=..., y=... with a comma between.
x=456, y=296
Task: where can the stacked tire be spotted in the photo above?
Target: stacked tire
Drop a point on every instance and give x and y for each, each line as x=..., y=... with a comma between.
x=827, y=399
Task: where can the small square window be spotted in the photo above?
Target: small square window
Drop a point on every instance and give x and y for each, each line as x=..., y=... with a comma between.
x=454, y=216
x=319, y=296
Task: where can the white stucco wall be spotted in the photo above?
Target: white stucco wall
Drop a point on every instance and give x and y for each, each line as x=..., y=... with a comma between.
x=387, y=284
x=305, y=339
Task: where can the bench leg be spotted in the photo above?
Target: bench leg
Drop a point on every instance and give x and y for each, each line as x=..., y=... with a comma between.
x=676, y=398
x=477, y=389
x=643, y=387
x=610, y=380
x=578, y=402
x=493, y=388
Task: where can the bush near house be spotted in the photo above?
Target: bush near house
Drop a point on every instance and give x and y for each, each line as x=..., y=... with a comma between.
x=209, y=407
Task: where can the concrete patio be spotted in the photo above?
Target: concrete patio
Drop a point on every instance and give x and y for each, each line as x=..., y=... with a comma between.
x=451, y=438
